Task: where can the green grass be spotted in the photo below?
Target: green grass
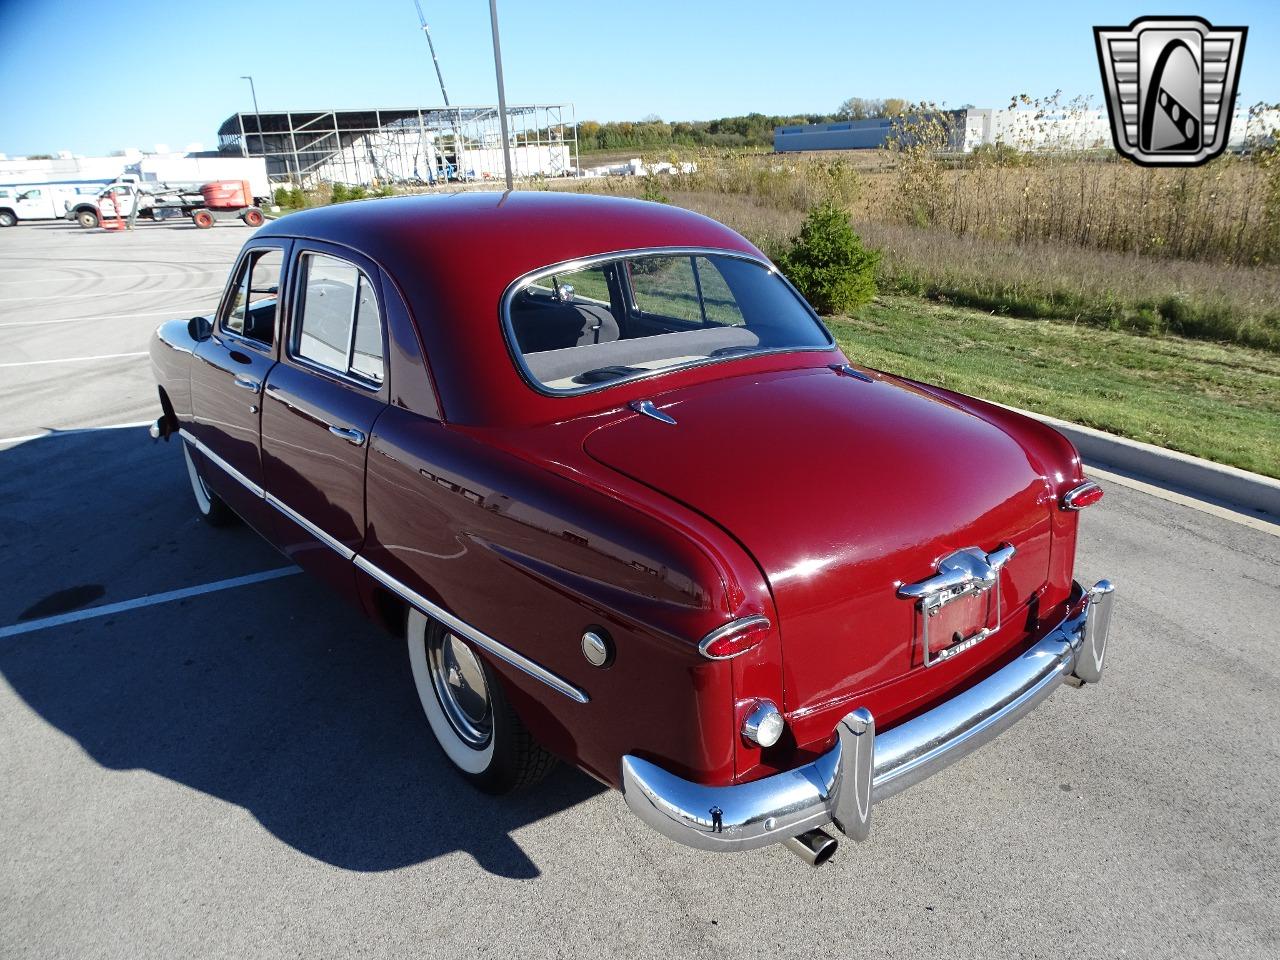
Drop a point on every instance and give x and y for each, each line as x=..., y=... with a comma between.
x=1211, y=400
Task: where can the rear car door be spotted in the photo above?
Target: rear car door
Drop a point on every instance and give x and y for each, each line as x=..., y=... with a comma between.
x=226, y=385
x=320, y=405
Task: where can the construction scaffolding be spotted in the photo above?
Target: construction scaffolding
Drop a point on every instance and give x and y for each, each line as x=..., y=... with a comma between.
x=416, y=146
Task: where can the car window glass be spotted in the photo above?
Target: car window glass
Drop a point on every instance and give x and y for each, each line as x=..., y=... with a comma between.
x=340, y=326
x=253, y=305
x=665, y=287
x=634, y=316
x=366, y=351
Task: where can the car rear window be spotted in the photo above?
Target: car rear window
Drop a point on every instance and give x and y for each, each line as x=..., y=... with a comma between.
x=585, y=327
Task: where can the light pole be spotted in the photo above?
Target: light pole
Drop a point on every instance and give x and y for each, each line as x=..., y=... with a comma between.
x=502, y=94
x=257, y=117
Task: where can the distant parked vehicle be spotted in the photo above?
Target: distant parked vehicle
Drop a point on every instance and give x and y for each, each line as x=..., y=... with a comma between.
x=43, y=202
x=206, y=204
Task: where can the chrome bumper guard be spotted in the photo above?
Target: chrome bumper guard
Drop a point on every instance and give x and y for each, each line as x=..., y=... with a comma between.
x=864, y=768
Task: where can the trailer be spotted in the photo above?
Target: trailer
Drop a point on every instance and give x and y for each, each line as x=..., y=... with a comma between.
x=204, y=205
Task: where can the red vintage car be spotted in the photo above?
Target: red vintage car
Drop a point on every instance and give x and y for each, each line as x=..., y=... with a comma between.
x=609, y=474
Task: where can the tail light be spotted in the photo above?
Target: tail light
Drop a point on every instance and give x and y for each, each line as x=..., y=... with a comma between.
x=1086, y=494
x=734, y=638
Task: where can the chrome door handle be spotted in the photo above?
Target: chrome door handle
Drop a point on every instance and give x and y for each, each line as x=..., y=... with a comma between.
x=346, y=433
x=247, y=383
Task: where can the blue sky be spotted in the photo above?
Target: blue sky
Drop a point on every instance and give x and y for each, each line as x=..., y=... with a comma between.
x=91, y=76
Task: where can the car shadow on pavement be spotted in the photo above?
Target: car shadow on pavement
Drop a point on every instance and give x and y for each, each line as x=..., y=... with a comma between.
x=276, y=697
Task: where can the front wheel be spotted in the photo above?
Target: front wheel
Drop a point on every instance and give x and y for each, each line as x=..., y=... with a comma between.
x=468, y=711
x=253, y=217
x=202, y=219
x=212, y=508
x=7, y=219
x=88, y=219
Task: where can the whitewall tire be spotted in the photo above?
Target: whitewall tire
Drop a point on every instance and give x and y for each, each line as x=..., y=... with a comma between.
x=468, y=711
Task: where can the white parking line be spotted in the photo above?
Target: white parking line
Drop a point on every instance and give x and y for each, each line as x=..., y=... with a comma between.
x=148, y=601
x=118, y=293
x=116, y=276
x=103, y=356
x=174, y=313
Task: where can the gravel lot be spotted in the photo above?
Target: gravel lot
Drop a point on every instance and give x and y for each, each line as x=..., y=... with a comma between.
x=245, y=773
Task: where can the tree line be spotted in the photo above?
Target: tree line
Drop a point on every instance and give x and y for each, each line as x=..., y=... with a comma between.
x=751, y=130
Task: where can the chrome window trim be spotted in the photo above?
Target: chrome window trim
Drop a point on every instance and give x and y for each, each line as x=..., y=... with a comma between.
x=581, y=263
x=732, y=626
x=480, y=639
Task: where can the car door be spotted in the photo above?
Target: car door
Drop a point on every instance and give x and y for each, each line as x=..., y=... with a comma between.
x=227, y=381
x=321, y=401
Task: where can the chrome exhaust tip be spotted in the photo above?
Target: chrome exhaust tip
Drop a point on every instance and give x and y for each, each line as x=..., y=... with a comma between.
x=814, y=847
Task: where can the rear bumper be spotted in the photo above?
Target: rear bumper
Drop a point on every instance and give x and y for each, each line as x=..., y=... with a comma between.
x=862, y=768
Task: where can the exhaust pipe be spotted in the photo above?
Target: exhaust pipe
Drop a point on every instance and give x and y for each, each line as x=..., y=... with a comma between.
x=814, y=847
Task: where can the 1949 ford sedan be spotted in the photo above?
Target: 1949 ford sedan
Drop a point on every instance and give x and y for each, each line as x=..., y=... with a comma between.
x=610, y=476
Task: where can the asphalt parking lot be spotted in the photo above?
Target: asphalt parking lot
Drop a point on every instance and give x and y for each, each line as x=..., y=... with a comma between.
x=245, y=772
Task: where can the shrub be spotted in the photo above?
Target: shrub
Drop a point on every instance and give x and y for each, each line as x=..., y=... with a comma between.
x=281, y=197
x=652, y=193
x=356, y=193
x=339, y=194
x=297, y=198
x=828, y=263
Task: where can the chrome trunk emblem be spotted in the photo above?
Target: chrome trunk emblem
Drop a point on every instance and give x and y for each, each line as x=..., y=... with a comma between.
x=965, y=573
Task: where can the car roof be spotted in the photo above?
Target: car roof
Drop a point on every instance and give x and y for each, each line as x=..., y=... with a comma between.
x=452, y=257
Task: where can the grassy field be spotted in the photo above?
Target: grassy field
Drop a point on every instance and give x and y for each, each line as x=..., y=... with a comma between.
x=1217, y=401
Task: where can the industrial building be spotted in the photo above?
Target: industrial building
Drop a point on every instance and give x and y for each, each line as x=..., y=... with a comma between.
x=970, y=128
x=405, y=145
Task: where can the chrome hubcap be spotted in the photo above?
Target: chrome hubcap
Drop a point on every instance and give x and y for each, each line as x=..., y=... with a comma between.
x=460, y=687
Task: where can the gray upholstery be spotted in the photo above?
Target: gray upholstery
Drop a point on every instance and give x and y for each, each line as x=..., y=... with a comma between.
x=551, y=365
x=542, y=324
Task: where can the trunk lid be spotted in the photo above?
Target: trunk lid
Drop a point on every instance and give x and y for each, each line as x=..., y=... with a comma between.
x=843, y=490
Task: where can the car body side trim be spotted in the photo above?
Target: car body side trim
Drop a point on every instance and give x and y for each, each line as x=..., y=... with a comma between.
x=461, y=627
x=337, y=546
x=464, y=629
x=235, y=474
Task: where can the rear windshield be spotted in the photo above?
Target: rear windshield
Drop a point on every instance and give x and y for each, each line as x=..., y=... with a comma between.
x=587, y=327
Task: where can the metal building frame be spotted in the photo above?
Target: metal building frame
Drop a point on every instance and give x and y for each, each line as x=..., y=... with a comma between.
x=419, y=145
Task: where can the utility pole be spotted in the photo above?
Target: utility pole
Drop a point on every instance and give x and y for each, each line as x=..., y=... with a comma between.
x=502, y=94
x=257, y=116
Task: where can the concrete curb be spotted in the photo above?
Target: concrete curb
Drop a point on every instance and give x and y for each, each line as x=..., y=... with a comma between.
x=1240, y=490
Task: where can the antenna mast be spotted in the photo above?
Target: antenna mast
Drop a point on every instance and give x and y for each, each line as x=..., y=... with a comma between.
x=426, y=32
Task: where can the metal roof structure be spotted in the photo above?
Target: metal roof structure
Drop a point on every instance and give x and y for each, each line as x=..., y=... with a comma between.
x=404, y=144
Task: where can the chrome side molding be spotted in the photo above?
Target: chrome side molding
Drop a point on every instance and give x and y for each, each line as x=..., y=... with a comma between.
x=461, y=627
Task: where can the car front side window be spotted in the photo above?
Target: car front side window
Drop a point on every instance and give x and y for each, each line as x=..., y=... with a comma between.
x=252, y=312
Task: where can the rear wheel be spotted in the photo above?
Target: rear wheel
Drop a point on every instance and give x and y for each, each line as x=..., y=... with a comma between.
x=88, y=218
x=202, y=219
x=253, y=217
x=468, y=711
x=212, y=509
x=7, y=218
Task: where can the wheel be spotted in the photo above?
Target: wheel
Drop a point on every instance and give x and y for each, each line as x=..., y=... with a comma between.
x=7, y=218
x=212, y=509
x=468, y=711
x=88, y=218
x=253, y=217
x=202, y=219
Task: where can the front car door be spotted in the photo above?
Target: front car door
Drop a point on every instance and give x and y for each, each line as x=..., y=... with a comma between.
x=227, y=381
x=321, y=401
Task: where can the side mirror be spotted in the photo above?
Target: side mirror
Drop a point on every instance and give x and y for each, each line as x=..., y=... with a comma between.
x=200, y=328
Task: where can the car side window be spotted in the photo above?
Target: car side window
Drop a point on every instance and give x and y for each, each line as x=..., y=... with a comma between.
x=253, y=305
x=339, y=326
